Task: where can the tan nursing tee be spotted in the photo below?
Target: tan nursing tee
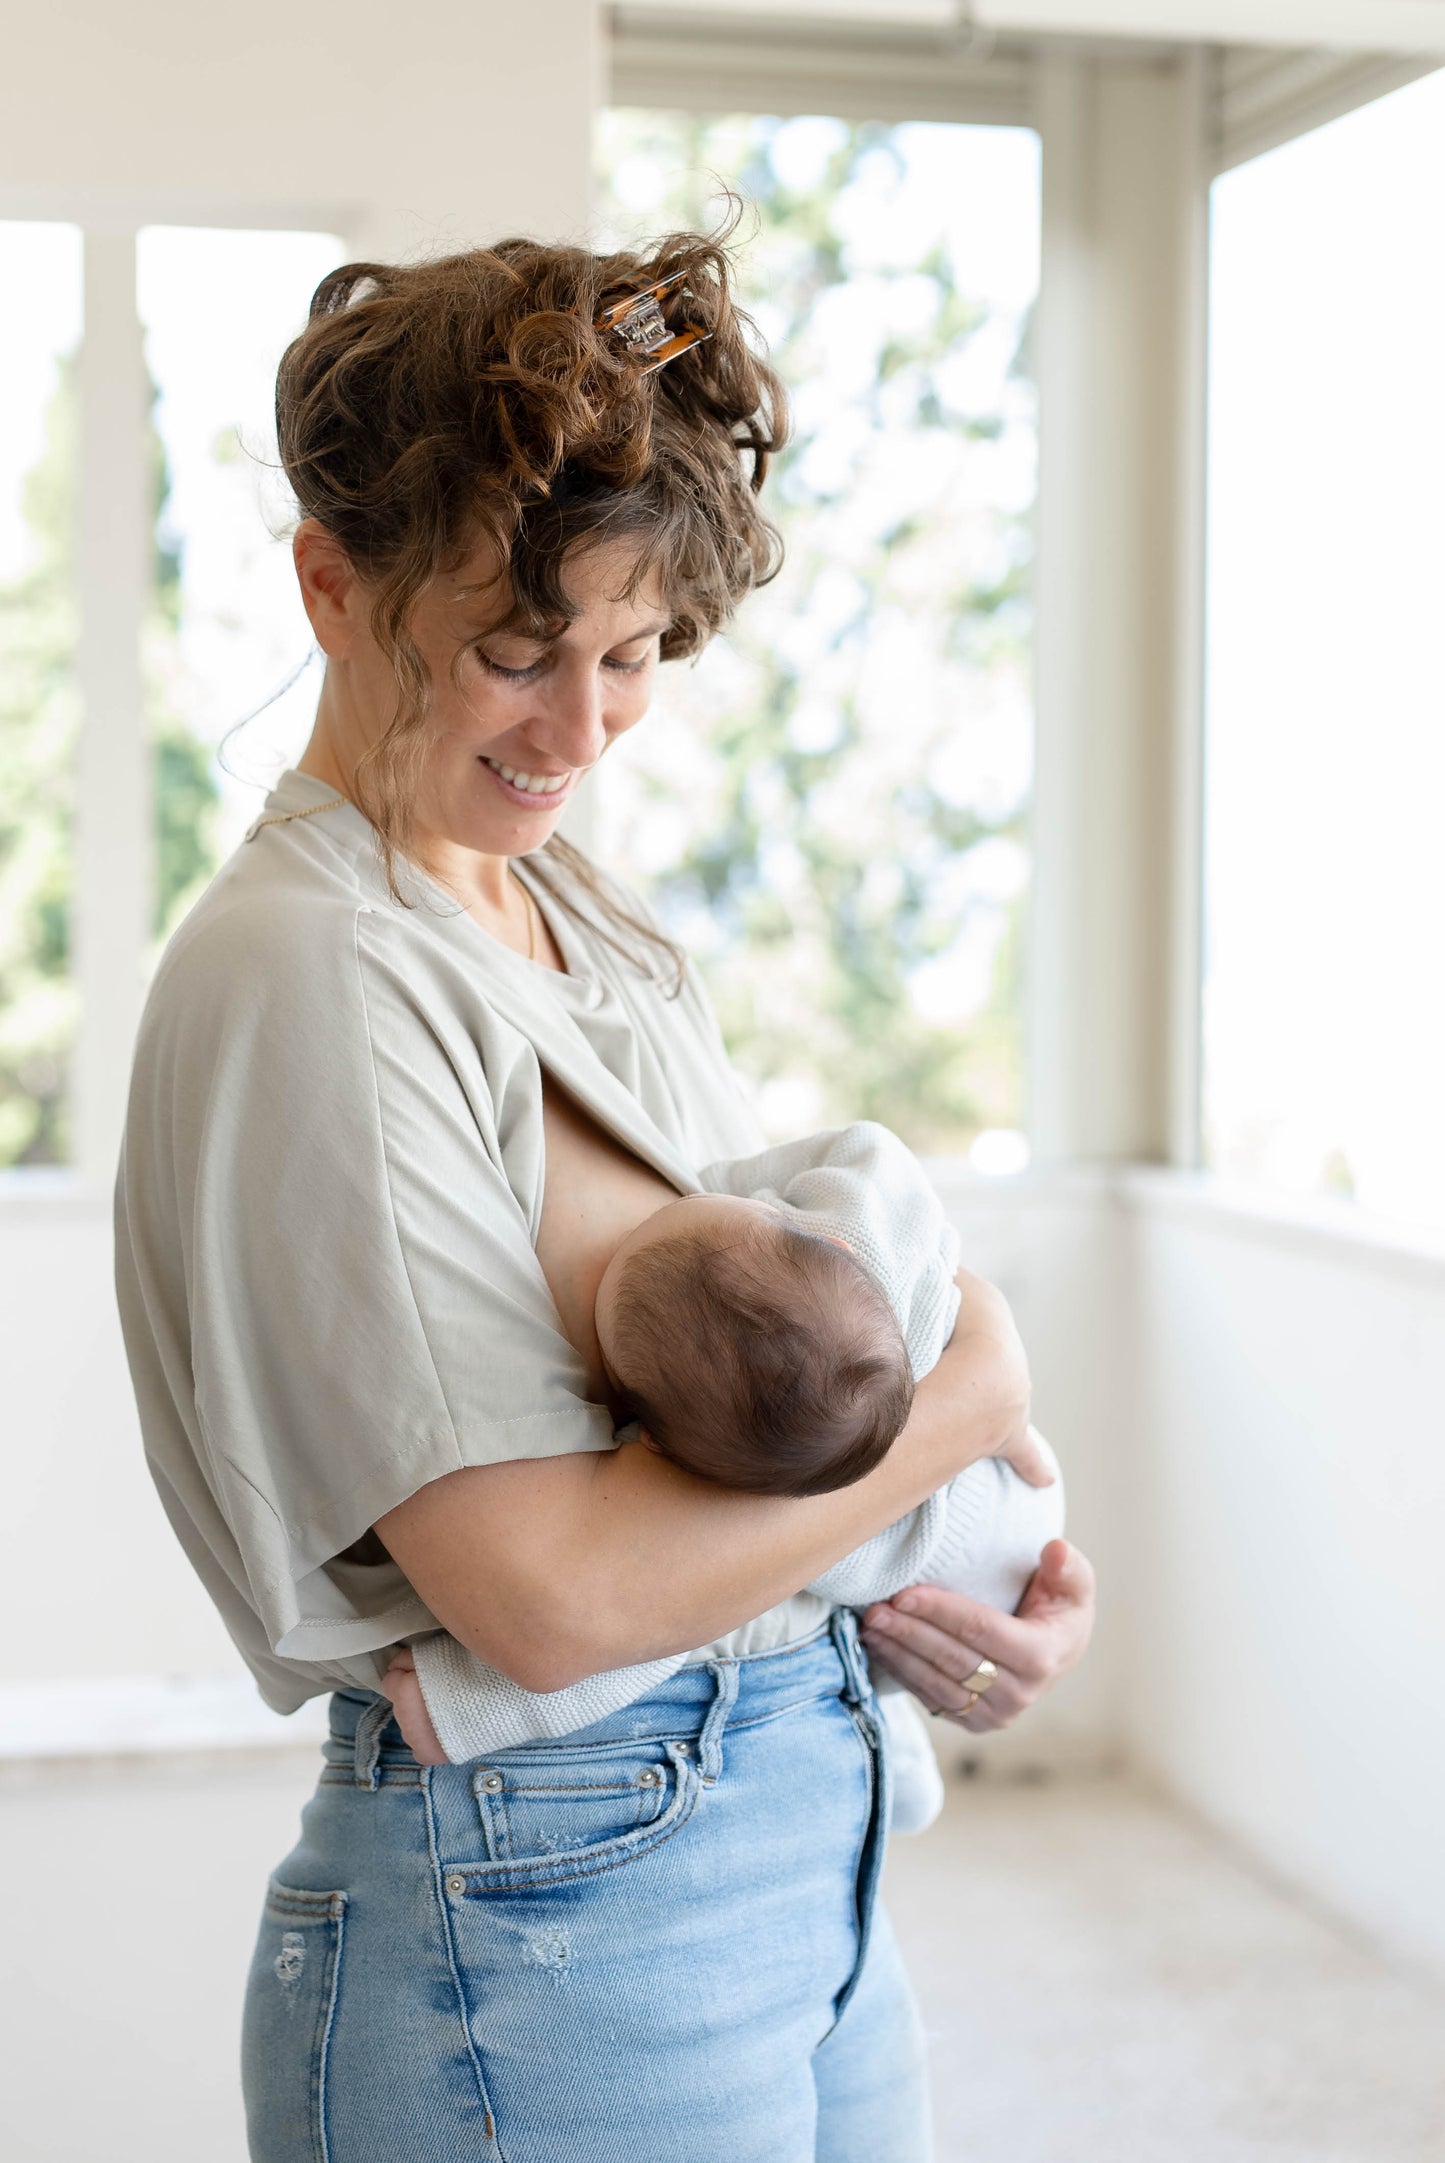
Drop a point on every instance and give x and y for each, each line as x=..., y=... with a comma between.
x=328, y=1194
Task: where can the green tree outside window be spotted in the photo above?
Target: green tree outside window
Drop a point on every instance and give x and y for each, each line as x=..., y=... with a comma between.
x=831, y=808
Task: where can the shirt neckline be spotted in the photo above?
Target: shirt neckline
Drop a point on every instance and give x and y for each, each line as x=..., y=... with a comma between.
x=549, y=1024
x=296, y=791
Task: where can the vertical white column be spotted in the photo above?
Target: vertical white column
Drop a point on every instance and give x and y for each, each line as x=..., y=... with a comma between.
x=1063, y=359
x=1190, y=193
x=1113, y=983
x=113, y=847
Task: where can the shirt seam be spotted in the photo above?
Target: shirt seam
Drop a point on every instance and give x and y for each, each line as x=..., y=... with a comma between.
x=391, y=1190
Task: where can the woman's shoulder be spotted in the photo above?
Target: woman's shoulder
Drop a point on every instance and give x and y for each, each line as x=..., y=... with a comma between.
x=297, y=951
x=276, y=923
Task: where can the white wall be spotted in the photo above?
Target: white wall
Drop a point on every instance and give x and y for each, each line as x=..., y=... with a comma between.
x=1051, y=1242
x=92, y=1581
x=449, y=119
x=1285, y=1528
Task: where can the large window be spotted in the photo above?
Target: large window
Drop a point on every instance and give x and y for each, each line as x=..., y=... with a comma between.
x=40, y=266
x=1325, y=871
x=831, y=808
x=227, y=628
x=224, y=628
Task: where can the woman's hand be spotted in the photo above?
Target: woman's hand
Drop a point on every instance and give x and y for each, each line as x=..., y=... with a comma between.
x=933, y=1640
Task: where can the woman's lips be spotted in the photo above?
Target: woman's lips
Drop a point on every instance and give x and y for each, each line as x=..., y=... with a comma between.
x=530, y=799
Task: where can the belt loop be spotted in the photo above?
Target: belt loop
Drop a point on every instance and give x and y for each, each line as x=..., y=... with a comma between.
x=709, y=1743
x=857, y=1683
x=368, y=1741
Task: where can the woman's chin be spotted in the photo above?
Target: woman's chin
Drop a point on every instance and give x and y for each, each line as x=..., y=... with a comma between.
x=491, y=819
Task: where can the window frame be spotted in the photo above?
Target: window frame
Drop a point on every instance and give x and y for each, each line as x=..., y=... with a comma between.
x=1114, y=1051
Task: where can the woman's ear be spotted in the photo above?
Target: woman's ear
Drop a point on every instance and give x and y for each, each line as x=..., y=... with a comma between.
x=330, y=589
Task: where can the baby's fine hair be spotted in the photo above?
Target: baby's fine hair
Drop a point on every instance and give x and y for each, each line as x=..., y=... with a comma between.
x=769, y=1361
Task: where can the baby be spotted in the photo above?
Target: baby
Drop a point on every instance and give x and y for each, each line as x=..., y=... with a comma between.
x=766, y=1334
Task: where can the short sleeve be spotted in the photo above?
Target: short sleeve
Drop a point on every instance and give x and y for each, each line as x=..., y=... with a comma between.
x=351, y=1145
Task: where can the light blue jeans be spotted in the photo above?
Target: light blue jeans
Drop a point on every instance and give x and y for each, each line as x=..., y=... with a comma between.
x=660, y=1939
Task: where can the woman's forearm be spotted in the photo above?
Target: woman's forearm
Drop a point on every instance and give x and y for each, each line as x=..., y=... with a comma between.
x=555, y=1568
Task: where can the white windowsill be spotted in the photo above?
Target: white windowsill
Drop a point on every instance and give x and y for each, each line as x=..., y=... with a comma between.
x=1316, y=1224
x=50, y=1194
x=146, y=1716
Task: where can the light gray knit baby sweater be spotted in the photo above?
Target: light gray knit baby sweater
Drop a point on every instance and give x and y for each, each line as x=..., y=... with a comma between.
x=982, y=1533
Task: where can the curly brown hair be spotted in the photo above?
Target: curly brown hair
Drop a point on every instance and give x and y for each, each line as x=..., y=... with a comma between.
x=429, y=407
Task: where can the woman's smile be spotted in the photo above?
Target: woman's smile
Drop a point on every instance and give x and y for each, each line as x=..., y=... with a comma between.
x=530, y=791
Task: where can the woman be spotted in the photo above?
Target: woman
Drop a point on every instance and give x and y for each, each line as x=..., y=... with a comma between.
x=662, y=1935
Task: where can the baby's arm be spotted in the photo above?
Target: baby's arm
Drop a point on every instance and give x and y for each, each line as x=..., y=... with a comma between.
x=991, y=1552
x=982, y=1534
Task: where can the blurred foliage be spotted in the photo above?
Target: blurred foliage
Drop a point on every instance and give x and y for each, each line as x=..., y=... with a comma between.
x=39, y=713
x=792, y=812
x=830, y=808
x=38, y=709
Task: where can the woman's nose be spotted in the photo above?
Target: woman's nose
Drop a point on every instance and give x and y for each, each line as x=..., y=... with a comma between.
x=574, y=727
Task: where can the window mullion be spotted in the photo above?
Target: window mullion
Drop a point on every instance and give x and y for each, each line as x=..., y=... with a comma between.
x=113, y=844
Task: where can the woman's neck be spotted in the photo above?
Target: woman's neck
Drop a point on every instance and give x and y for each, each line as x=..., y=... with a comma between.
x=483, y=884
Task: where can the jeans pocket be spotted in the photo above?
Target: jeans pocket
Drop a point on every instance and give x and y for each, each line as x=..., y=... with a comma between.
x=291, y=1999
x=548, y=1815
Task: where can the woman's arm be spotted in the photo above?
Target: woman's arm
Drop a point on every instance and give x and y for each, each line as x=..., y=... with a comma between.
x=555, y=1568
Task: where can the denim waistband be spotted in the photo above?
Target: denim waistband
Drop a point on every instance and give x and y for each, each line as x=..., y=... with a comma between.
x=692, y=1706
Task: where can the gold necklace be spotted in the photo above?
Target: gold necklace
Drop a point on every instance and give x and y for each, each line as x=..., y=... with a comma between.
x=279, y=818
x=531, y=909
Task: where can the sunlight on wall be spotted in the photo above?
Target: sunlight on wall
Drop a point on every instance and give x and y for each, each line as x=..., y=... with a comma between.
x=1325, y=875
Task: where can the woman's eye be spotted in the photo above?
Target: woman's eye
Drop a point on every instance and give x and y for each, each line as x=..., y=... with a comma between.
x=535, y=668
x=509, y=675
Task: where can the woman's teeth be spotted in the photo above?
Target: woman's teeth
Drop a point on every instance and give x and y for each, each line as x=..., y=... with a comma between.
x=532, y=784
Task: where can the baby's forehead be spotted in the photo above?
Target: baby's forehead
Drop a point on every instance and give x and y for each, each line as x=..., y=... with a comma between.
x=726, y=1212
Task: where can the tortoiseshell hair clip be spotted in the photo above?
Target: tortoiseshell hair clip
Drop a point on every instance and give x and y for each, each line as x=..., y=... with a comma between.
x=637, y=319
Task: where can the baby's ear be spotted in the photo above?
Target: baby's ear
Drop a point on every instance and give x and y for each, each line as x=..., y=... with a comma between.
x=646, y=1439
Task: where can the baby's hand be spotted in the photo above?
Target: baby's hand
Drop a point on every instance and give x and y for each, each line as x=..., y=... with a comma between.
x=399, y=1683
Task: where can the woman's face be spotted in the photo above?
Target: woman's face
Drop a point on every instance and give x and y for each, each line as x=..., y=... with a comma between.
x=514, y=723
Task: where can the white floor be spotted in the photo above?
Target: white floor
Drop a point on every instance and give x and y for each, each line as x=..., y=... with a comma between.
x=1103, y=1983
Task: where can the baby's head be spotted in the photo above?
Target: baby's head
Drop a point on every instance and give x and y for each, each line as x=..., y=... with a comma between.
x=751, y=1352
